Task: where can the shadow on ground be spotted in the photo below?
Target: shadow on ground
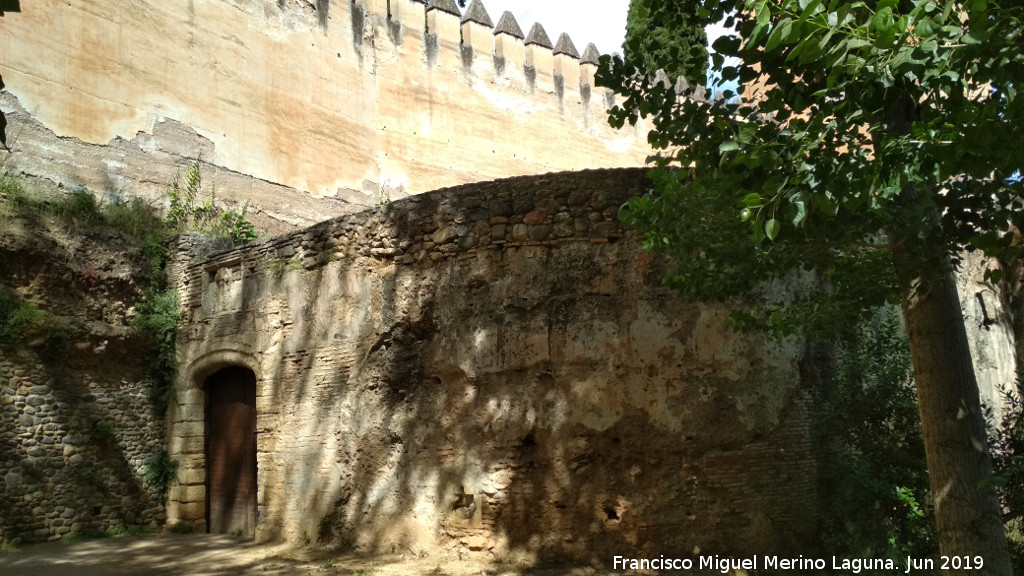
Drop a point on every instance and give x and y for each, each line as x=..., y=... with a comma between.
x=209, y=555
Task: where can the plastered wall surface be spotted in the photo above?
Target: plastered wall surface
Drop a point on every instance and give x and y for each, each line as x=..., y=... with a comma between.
x=494, y=368
x=288, y=104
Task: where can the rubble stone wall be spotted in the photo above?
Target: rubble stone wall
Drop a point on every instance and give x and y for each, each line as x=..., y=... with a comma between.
x=76, y=428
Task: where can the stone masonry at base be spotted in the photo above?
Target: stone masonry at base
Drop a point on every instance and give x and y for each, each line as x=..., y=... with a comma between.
x=493, y=367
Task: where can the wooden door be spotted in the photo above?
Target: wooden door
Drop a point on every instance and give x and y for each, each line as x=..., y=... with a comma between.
x=231, y=452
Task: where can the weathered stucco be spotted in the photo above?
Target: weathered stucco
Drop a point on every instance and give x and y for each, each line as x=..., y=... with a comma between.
x=497, y=367
x=350, y=104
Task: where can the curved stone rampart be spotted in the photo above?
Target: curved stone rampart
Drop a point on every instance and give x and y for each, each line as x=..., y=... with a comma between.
x=494, y=367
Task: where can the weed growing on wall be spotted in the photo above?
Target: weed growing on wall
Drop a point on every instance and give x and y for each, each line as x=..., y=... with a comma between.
x=187, y=213
x=134, y=219
x=16, y=316
x=160, y=472
x=101, y=432
x=180, y=528
x=158, y=319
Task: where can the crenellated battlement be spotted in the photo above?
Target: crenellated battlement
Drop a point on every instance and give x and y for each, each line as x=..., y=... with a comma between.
x=473, y=44
x=321, y=105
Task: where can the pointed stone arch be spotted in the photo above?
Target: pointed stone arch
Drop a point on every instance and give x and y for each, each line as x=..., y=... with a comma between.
x=230, y=451
x=201, y=498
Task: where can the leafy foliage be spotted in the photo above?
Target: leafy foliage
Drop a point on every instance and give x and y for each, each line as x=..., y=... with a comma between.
x=160, y=472
x=135, y=219
x=181, y=528
x=15, y=316
x=681, y=51
x=865, y=133
x=101, y=432
x=860, y=105
x=234, y=225
x=186, y=214
x=1007, y=441
x=873, y=473
x=158, y=318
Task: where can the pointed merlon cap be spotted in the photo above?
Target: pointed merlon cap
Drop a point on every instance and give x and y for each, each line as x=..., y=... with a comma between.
x=661, y=77
x=444, y=6
x=507, y=25
x=538, y=36
x=477, y=13
x=565, y=46
x=590, y=55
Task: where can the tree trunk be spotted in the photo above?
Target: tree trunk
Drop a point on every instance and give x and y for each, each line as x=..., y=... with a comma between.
x=966, y=514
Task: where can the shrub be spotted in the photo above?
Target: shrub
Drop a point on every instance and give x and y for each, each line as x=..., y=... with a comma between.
x=873, y=471
x=101, y=432
x=158, y=319
x=186, y=214
x=180, y=528
x=160, y=472
x=1006, y=438
x=15, y=317
x=79, y=208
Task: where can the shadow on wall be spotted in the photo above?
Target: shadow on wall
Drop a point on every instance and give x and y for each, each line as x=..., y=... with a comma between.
x=76, y=434
x=533, y=390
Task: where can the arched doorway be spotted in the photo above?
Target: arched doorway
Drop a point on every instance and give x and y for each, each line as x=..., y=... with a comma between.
x=231, y=451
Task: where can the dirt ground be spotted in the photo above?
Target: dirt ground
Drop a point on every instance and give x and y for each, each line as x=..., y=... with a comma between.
x=206, y=555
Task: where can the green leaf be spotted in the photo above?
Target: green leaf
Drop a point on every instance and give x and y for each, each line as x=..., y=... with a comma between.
x=728, y=45
x=880, y=22
x=752, y=200
x=810, y=7
x=781, y=31
x=801, y=213
x=771, y=228
x=764, y=15
x=926, y=27
x=810, y=51
x=728, y=146
x=972, y=38
x=747, y=132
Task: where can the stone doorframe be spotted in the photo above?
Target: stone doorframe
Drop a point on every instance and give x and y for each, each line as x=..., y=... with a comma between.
x=186, y=429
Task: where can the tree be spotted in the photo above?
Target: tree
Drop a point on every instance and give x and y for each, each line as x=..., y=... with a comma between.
x=872, y=144
x=679, y=50
x=3, y=123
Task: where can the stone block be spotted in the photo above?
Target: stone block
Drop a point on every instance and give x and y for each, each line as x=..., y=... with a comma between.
x=539, y=233
x=187, y=493
x=177, y=445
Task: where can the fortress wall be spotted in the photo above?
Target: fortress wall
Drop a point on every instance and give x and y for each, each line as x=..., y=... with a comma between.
x=77, y=431
x=349, y=104
x=494, y=367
